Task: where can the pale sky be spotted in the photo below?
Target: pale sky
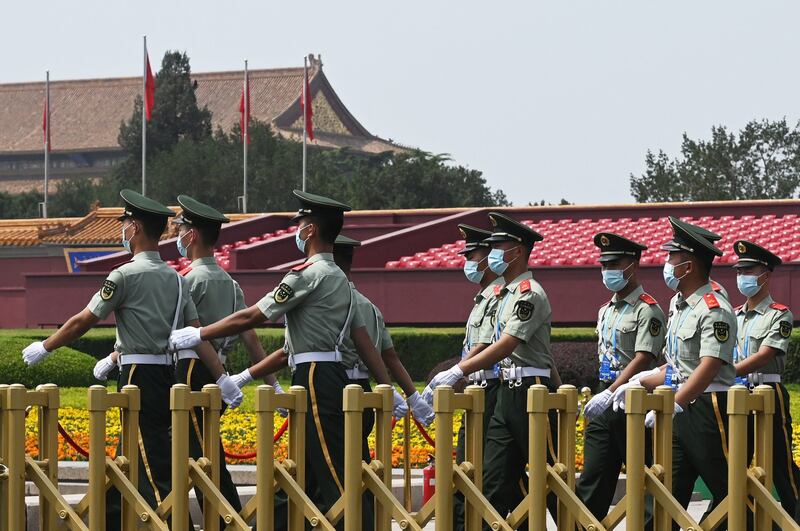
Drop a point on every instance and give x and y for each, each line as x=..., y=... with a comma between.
x=549, y=99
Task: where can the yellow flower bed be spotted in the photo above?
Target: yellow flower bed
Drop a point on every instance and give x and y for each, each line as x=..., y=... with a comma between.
x=238, y=431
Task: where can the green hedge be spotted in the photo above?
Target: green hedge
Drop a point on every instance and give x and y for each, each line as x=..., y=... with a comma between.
x=420, y=349
x=66, y=367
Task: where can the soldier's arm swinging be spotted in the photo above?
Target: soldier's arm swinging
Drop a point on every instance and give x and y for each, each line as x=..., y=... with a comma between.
x=399, y=372
x=369, y=355
x=75, y=327
x=494, y=353
x=254, y=348
x=266, y=367
x=208, y=355
x=755, y=361
x=234, y=324
x=700, y=378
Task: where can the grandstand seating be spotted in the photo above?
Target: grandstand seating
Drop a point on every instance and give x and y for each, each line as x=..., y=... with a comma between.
x=569, y=242
x=222, y=253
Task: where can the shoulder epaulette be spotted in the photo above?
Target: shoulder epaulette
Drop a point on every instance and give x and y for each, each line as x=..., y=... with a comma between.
x=184, y=272
x=301, y=266
x=525, y=286
x=646, y=297
x=497, y=289
x=778, y=306
x=711, y=300
x=716, y=286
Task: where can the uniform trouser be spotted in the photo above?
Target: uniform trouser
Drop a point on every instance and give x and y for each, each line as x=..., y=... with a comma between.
x=195, y=374
x=604, y=453
x=506, y=452
x=700, y=449
x=785, y=471
x=324, y=475
x=155, y=439
x=490, y=400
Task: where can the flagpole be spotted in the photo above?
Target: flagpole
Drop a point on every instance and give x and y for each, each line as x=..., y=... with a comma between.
x=246, y=132
x=305, y=114
x=46, y=140
x=144, y=117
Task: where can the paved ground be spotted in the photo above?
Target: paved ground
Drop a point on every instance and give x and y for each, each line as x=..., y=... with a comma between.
x=696, y=509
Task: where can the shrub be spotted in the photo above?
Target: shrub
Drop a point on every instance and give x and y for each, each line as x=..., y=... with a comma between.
x=65, y=367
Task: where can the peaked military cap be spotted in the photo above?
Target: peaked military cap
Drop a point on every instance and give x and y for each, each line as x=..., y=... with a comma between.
x=196, y=213
x=613, y=246
x=344, y=241
x=505, y=229
x=751, y=254
x=705, y=233
x=686, y=238
x=473, y=238
x=137, y=205
x=317, y=205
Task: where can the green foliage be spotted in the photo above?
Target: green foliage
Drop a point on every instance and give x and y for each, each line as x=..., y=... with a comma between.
x=24, y=205
x=72, y=198
x=65, y=367
x=762, y=162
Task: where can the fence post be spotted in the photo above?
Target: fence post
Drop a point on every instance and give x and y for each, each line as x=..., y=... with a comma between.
x=15, y=404
x=567, y=418
x=763, y=446
x=353, y=432
x=97, y=458
x=634, y=457
x=265, y=463
x=48, y=451
x=179, y=403
x=737, y=457
x=297, y=452
x=662, y=451
x=383, y=449
x=212, y=453
x=474, y=451
x=537, y=456
x=129, y=444
x=443, y=407
x=3, y=458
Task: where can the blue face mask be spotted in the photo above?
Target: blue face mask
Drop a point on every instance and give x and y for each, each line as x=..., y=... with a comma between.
x=748, y=284
x=471, y=271
x=614, y=279
x=670, y=279
x=497, y=262
x=126, y=243
x=300, y=242
x=182, y=249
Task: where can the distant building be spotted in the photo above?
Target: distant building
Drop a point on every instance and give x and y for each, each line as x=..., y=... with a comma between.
x=86, y=115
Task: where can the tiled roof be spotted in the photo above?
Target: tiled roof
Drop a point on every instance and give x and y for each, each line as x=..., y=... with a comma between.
x=99, y=227
x=86, y=114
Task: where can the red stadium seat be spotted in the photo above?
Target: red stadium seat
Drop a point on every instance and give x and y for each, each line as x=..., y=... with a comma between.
x=392, y=265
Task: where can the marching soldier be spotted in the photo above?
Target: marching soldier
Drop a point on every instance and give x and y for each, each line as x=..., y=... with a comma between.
x=316, y=300
x=149, y=300
x=630, y=330
x=701, y=334
x=521, y=344
x=478, y=337
x=764, y=329
x=712, y=237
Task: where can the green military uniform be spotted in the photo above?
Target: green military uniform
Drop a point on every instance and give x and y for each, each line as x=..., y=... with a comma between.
x=149, y=301
x=523, y=312
x=769, y=324
x=316, y=300
x=625, y=325
x=483, y=311
x=216, y=295
x=700, y=325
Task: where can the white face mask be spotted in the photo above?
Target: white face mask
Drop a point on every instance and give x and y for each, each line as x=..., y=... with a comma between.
x=670, y=279
x=126, y=242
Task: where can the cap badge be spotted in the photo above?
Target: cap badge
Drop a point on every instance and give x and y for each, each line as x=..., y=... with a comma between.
x=741, y=248
x=604, y=241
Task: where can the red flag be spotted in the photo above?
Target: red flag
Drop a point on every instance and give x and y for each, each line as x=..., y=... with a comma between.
x=46, y=124
x=149, y=90
x=244, y=121
x=307, y=111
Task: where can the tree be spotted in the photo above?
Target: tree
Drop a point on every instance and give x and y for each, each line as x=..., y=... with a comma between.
x=73, y=198
x=24, y=205
x=761, y=162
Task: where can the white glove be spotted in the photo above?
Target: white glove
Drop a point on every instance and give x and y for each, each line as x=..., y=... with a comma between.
x=279, y=390
x=420, y=409
x=34, y=353
x=185, y=338
x=598, y=404
x=619, y=395
x=103, y=367
x=242, y=379
x=231, y=393
x=645, y=374
x=400, y=407
x=650, y=418
x=448, y=377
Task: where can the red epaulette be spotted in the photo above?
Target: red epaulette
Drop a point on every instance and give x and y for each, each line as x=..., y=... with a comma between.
x=301, y=266
x=711, y=300
x=778, y=306
x=525, y=286
x=184, y=272
x=646, y=297
x=497, y=289
x=715, y=286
